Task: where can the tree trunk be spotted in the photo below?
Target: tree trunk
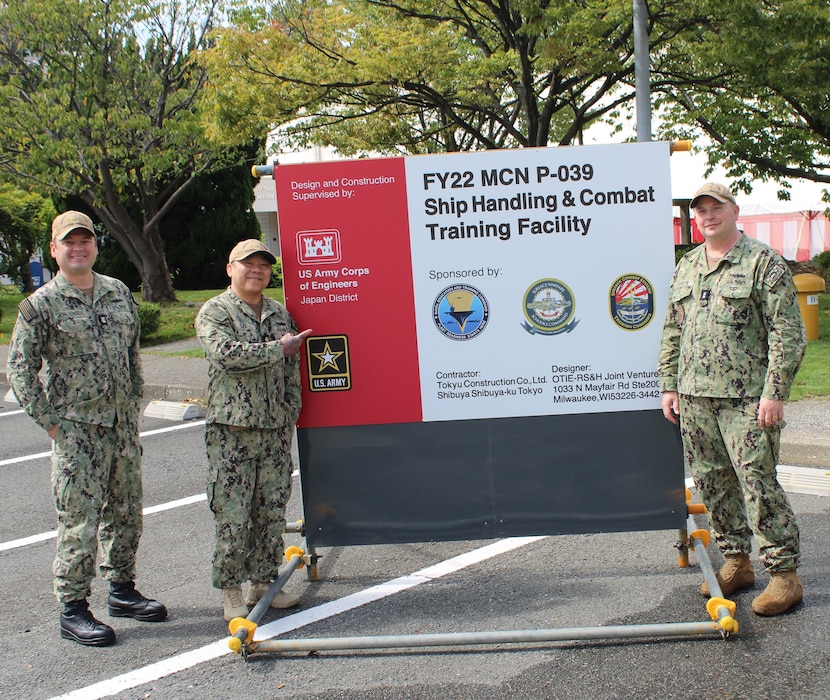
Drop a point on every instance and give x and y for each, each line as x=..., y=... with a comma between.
x=26, y=278
x=155, y=277
x=143, y=246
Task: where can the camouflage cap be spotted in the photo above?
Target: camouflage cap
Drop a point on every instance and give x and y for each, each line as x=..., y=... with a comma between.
x=247, y=248
x=69, y=221
x=714, y=190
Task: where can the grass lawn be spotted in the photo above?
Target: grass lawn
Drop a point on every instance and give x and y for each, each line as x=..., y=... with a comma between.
x=813, y=379
x=177, y=318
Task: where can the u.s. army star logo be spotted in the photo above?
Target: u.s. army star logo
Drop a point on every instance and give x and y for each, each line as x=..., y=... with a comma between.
x=328, y=363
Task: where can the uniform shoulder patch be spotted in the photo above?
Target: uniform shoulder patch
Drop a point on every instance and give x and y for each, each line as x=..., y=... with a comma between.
x=774, y=274
x=27, y=310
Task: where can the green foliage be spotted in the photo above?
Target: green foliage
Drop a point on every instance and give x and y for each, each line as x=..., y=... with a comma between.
x=822, y=260
x=420, y=77
x=214, y=213
x=98, y=101
x=276, y=274
x=177, y=317
x=760, y=89
x=25, y=218
x=150, y=317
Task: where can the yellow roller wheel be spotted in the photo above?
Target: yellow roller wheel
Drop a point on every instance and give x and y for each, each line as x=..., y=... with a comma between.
x=295, y=551
x=729, y=624
x=241, y=623
x=702, y=535
x=714, y=603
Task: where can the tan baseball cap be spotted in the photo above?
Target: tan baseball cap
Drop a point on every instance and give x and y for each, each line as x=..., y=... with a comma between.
x=247, y=248
x=66, y=223
x=714, y=190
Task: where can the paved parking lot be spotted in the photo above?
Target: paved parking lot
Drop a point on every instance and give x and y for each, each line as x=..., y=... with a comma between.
x=554, y=582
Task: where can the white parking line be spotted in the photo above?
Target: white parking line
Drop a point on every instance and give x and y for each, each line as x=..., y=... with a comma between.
x=181, y=662
x=147, y=433
x=52, y=534
x=26, y=458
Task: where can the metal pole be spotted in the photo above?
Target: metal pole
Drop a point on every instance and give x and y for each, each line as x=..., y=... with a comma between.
x=718, y=607
x=670, y=629
x=243, y=628
x=641, y=71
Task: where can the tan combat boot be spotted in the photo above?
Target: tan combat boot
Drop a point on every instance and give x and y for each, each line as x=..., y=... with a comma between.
x=281, y=601
x=783, y=592
x=735, y=574
x=234, y=605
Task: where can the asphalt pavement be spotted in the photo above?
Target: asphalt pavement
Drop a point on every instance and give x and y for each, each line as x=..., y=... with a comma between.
x=627, y=578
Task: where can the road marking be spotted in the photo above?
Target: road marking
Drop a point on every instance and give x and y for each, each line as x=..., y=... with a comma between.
x=188, y=659
x=52, y=534
x=27, y=458
x=146, y=433
x=11, y=413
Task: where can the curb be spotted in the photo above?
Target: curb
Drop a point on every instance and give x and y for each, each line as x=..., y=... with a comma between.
x=167, y=392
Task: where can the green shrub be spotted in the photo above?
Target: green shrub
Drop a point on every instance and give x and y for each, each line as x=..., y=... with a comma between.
x=823, y=262
x=276, y=274
x=150, y=317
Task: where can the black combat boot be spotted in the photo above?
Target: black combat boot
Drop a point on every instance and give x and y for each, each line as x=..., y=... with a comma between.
x=125, y=601
x=78, y=624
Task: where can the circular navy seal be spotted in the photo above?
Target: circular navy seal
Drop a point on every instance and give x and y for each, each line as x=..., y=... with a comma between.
x=460, y=312
x=632, y=302
x=549, y=308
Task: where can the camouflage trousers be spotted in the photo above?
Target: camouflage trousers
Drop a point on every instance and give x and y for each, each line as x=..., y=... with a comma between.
x=248, y=487
x=96, y=483
x=733, y=464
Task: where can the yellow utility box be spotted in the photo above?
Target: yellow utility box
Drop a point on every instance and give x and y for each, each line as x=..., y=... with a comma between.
x=809, y=286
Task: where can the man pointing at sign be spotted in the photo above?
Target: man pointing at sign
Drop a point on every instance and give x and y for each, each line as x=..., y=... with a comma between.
x=252, y=345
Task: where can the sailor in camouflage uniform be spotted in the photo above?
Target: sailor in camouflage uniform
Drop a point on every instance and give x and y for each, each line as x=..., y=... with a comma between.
x=251, y=344
x=732, y=344
x=85, y=327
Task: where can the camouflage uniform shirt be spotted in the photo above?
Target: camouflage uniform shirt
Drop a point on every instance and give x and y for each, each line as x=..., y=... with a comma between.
x=91, y=350
x=252, y=384
x=734, y=331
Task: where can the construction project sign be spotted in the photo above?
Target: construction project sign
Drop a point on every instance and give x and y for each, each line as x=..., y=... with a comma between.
x=459, y=297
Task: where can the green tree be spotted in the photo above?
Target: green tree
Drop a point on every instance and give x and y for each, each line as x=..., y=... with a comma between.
x=98, y=101
x=425, y=76
x=25, y=218
x=214, y=214
x=759, y=75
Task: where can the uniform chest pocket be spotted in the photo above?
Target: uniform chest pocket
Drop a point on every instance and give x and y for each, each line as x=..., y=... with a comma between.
x=76, y=337
x=124, y=322
x=734, y=305
x=680, y=298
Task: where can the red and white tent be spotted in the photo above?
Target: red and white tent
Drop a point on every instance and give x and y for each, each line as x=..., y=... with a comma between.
x=795, y=233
